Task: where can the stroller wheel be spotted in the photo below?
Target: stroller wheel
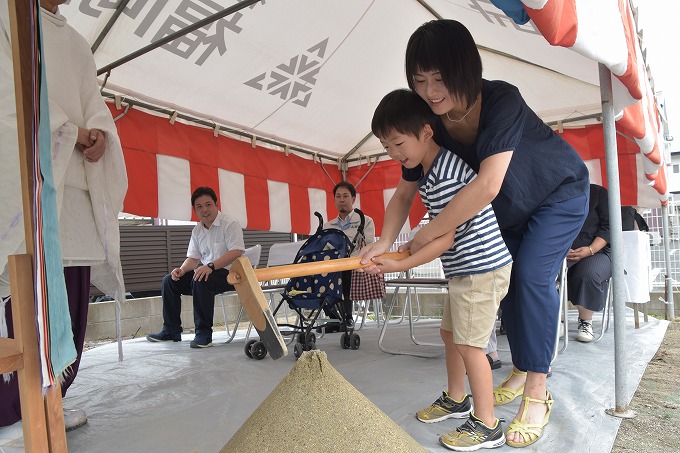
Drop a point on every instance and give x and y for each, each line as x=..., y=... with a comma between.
x=344, y=341
x=305, y=338
x=354, y=340
x=247, y=348
x=297, y=350
x=258, y=350
x=310, y=346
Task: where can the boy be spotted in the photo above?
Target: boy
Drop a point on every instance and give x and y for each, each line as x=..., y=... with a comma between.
x=474, y=258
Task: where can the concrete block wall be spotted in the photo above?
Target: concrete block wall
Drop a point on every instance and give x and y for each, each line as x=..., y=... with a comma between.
x=140, y=317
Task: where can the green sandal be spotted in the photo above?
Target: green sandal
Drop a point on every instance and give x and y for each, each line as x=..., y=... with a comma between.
x=531, y=432
x=504, y=395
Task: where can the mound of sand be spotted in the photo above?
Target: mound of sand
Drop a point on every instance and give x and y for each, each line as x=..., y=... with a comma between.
x=315, y=409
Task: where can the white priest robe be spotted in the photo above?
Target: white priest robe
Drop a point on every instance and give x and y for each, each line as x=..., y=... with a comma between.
x=89, y=195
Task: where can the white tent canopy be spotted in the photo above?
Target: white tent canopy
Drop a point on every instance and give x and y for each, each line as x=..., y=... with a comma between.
x=308, y=74
x=311, y=72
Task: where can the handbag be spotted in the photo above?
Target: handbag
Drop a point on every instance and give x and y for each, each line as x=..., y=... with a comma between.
x=367, y=286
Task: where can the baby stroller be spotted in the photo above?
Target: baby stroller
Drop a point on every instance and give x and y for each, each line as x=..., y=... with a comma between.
x=309, y=296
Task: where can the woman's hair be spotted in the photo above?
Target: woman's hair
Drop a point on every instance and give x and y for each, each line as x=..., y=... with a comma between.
x=448, y=47
x=402, y=111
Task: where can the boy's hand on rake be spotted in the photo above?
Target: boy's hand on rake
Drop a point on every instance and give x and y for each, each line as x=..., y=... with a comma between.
x=386, y=266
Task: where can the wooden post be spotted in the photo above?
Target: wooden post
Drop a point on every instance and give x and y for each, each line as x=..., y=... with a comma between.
x=30, y=387
x=43, y=418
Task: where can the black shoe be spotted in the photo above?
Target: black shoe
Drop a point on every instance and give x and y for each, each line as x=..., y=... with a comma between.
x=164, y=336
x=494, y=364
x=197, y=342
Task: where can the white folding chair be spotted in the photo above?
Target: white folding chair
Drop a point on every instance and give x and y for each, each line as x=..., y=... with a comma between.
x=280, y=254
x=253, y=254
x=410, y=283
x=606, y=310
x=564, y=310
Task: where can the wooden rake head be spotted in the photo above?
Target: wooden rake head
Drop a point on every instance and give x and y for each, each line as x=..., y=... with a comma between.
x=246, y=282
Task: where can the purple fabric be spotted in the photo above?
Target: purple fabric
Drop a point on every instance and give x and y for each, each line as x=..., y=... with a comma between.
x=78, y=290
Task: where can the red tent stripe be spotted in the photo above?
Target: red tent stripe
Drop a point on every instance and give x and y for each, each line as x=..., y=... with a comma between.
x=557, y=21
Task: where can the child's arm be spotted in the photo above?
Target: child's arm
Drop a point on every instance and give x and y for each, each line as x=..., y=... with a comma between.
x=429, y=252
x=396, y=214
x=469, y=201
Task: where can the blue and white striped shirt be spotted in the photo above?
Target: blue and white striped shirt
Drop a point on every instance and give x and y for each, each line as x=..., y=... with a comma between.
x=478, y=245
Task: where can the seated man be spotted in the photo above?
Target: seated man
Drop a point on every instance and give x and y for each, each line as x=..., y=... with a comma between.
x=344, y=195
x=216, y=241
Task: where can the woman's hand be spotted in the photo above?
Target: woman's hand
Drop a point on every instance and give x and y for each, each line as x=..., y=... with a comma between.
x=369, y=252
x=578, y=254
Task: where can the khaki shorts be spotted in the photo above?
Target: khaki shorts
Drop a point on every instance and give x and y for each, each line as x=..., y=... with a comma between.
x=473, y=303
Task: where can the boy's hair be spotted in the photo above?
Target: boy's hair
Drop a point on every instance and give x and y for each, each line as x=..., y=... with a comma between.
x=203, y=191
x=448, y=47
x=347, y=186
x=401, y=111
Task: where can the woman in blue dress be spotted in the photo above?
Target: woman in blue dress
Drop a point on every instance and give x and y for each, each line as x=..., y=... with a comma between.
x=536, y=183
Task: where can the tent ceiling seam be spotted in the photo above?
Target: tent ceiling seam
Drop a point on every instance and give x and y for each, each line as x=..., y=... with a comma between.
x=178, y=34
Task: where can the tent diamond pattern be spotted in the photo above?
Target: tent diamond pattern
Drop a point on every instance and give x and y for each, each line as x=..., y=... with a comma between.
x=294, y=80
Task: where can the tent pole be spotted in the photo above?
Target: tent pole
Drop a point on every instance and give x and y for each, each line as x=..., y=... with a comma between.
x=614, y=196
x=668, y=281
x=119, y=9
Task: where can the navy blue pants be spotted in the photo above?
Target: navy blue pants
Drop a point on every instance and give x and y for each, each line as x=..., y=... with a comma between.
x=530, y=310
x=203, y=294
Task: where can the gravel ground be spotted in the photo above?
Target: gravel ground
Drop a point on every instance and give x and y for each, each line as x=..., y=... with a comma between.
x=656, y=428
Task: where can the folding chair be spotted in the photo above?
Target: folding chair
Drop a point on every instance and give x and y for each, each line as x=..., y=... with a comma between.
x=606, y=310
x=410, y=283
x=280, y=254
x=253, y=253
x=564, y=310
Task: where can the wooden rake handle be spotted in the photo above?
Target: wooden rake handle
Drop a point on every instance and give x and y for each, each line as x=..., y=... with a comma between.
x=313, y=268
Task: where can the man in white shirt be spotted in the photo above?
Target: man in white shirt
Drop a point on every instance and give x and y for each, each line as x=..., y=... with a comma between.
x=216, y=241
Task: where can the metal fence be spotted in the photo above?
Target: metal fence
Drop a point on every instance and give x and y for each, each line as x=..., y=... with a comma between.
x=653, y=218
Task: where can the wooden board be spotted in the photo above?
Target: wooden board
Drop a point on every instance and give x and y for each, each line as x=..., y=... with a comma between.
x=252, y=298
